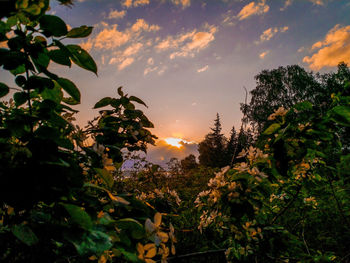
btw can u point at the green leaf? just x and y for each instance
(134, 227)
(136, 99)
(59, 57)
(93, 242)
(78, 32)
(25, 234)
(53, 26)
(120, 92)
(70, 101)
(4, 89)
(20, 98)
(129, 256)
(305, 105)
(82, 58)
(54, 94)
(79, 216)
(70, 88)
(272, 128)
(106, 176)
(103, 102)
(341, 115)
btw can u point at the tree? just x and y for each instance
(189, 163)
(284, 86)
(231, 147)
(212, 148)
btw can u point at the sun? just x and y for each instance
(176, 142)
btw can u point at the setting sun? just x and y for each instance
(176, 142)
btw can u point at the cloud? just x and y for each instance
(253, 9)
(141, 24)
(149, 70)
(270, 33)
(163, 152)
(110, 38)
(183, 3)
(334, 48)
(126, 62)
(194, 104)
(132, 50)
(317, 2)
(203, 69)
(263, 54)
(286, 4)
(150, 61)
(135, 3)
(189, 43)
(115, 14)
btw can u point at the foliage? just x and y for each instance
(58, 198)
(283, 200)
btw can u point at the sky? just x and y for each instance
(191, 59)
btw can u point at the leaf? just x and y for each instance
(82, 58)
(103, 102)
(341, 115)
(53, 26)
(4, 89)
(60, 57)
(132, 257)
(272, 128)
(79, 216)
(117, 199)
(25, 234)
(106, 176)
(20, 98)
(136, 229)
(54, 94)
(136, 99)
(120, 92)
(70, 88)
(82, 31)
(93, 242)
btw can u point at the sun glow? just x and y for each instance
(176, 142)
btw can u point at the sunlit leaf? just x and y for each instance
(272, 128)
(106, 176)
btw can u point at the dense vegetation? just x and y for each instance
(277, 191)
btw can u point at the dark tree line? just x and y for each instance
(281, 87)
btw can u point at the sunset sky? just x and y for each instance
(189, 59)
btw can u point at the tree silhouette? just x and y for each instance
(212, 148)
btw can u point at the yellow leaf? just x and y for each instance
(118, 199)
(100, 214)
(10, 210)
(147, 260)
(157, 219)
(172, 249)
(163, 237)
(151, 253)
(102, 259)
(93, 257)
(140, 248)
(149, 246)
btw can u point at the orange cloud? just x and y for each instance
(188, 44)
(183, 3)
(253, 9)
(135, 3)
(263, 54)
(334, 48)
(111, 38)
(141, 24)
(115, 14)
(202, 69)
(132, 50)
(271, 32)
(126, 62)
